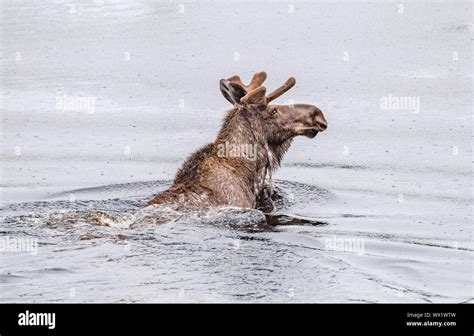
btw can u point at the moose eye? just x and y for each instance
(274, 111)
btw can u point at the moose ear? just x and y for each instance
(231, 91)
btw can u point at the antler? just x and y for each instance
(254, 93)
(290, 82)
(256, 81)
(257, 96)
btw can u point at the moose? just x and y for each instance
(250, 145)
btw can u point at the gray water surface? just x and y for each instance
(88, 253)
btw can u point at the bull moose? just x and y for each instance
(253, 138)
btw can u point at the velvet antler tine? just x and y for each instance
(257, 80)
(236, 79)
(290, 82)
(256, 96)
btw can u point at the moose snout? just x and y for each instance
(310, 116)
(319, 120)
(321, 124)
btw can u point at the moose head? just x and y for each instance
(282, 122)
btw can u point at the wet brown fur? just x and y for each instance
(207, 179)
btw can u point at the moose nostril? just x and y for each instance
(322, 125)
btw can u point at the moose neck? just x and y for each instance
(242, 126)
(277, 151)
(243, 131)
(246, 126)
